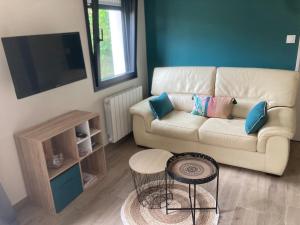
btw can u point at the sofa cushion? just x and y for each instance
(188, 80)
(178, 124)
(227, 133)
(243, 107)
(182, 102)
(277, 87)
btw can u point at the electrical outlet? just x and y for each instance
(291, 39)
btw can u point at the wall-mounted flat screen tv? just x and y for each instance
(39, 63)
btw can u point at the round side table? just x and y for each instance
(148, 173)
(193, 168)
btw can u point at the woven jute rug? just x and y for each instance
(132, 213)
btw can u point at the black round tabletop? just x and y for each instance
(192, 168)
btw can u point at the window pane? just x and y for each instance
(110, 2)
(112, 39)
(112, 58)
(90, 17)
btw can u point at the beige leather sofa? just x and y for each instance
(223, 139)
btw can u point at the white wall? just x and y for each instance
(37, 17)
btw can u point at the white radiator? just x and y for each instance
(118, 118)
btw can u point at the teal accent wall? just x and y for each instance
(244, 33)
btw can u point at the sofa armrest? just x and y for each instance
(143, 110)
(281, 122)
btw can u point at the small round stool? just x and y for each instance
(148, 173)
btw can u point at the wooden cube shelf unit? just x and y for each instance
(83, 158)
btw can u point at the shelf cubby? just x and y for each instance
(94, 132)
(94, 126)
(46, 185)
(64, 144)
(82, 128)
(92, 166)
(96, 142)
(85, 146)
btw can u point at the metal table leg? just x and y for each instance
(193, 207)
(166, 183)
(217, 192)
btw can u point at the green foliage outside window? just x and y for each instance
(106, 59)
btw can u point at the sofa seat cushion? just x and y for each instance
(227, 133)
(178, 124)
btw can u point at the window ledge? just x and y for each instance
(114, 81)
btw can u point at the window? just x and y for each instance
(111, 28)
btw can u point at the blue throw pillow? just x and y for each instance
(256, 118)
(161, 105)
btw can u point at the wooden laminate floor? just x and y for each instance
(246, 197)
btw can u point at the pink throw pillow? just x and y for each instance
(220, 107)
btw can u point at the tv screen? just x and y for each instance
(39, 63)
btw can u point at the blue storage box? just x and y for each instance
(66, 187)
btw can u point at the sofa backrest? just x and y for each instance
(278, 87)
(184, 80)
(247, 85)
(250, 85)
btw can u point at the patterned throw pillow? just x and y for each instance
(200, 105)
(214, 107)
